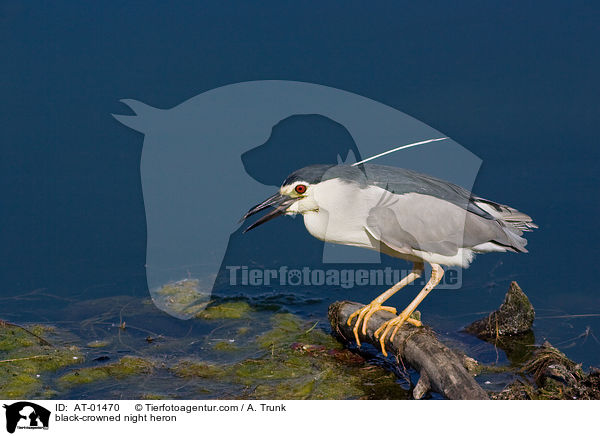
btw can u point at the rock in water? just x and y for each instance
(515, 316)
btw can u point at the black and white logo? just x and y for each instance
(26, 415)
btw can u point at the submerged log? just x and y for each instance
(509, 327)
(441, 370)
(514, 317)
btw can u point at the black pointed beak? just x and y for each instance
(279, 202)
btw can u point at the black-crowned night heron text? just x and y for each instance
(400, 213)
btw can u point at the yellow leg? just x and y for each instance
(365, 313)
(437, 272)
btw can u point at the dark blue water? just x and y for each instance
(516, 85)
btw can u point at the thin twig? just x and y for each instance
(39, 356)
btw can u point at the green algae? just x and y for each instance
(303, 361)
(191, 368)
(27, 359)
(288, 328)
(19, 385)
(127, 366)
(13, 339)
(296, 359)
(183, 292)
(152, 396)
(184, 297)
(242, 330)
(41, 329)
(262, 355)
(228, 310)
(98, 343)
(296, 373)
(253, 371)
(225, 346)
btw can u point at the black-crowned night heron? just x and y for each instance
(401, 213)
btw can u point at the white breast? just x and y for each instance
(342, 213)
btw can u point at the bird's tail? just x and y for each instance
(508, 215)
(512, 222)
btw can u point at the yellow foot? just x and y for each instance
(394, 323)
(364, 314)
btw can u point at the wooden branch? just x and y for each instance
(440, 368)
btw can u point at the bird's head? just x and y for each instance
(296, 195)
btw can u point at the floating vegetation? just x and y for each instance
(183, 298)
(303, 361)
(126, 367)
(98, 343)
(225, 346)
(27, 360)
(227, 310)
(257, 354)
(121, 346)
(299, 360)
(190, 368)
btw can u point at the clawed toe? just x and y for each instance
(395, 323)
(363, 315)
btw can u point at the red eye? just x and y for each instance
(300, 189)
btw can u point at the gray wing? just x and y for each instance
(403, 181)
(453, 218)
(427, 223)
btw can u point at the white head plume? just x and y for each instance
(414, 144)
